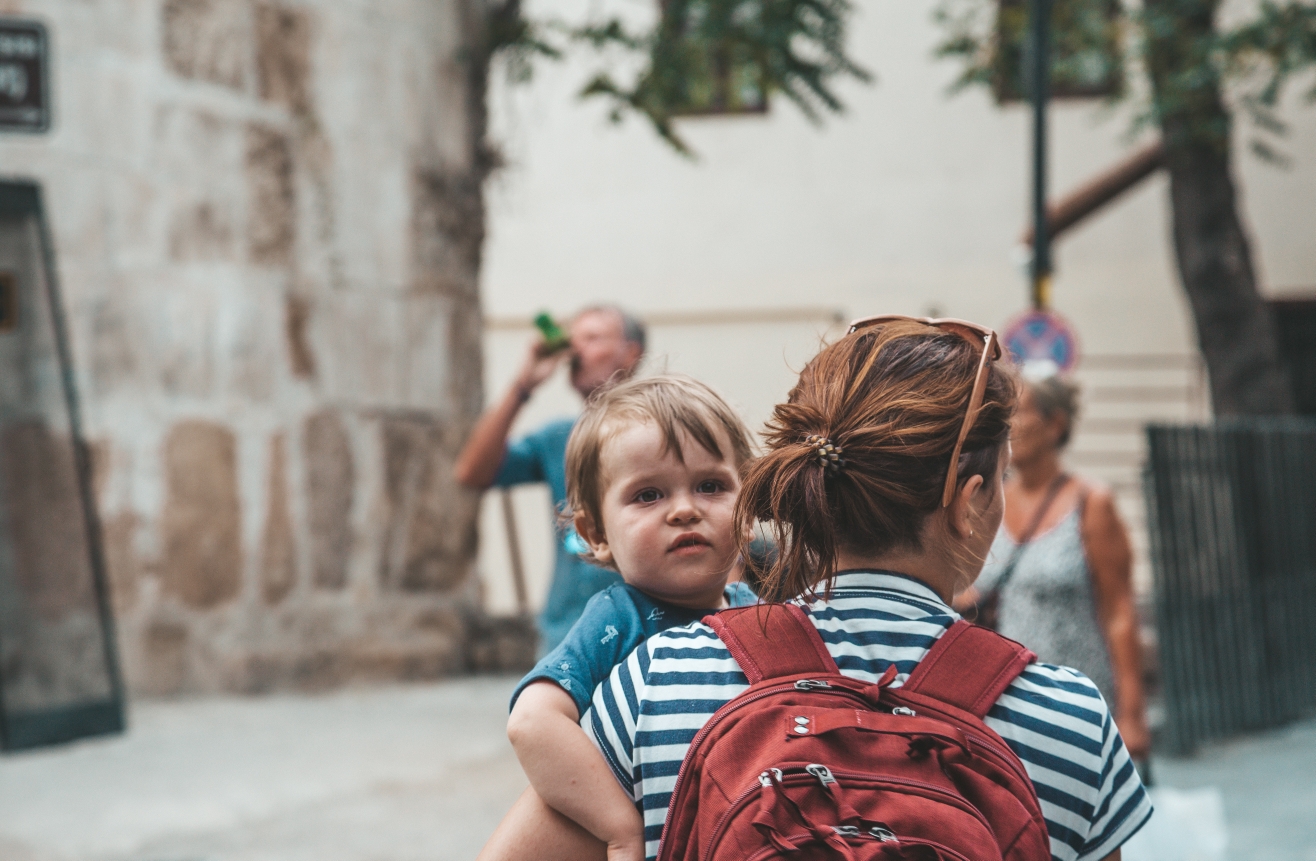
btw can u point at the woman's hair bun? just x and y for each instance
(882, 408)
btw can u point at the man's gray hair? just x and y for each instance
(632, 328)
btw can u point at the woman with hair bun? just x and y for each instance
(882, 483)
(1059, 577)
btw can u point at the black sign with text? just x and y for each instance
(24, 78)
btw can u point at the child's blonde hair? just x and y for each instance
(673, 402)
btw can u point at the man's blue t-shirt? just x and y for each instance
(541, 456)
(615, 621)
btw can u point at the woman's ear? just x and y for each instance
(965, 509)
(594, 537)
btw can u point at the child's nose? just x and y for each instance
(683, 509)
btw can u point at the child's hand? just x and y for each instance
(629, 848)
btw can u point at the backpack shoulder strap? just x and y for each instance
(969, 667)
(769, 641)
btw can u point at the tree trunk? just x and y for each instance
(1234, 326)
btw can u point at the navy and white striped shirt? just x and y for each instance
(645, 715)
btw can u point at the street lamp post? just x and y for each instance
(1039, 21)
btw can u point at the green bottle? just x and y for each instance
(554, 338)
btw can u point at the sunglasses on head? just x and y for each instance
(974, 334)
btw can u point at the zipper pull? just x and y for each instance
(810, 685)
(886, 835)
(822, 772)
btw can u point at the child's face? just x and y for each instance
(667, 525)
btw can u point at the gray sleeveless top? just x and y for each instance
(1048, 605)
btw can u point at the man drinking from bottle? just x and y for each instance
(604, 344)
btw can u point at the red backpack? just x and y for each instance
(811, 764)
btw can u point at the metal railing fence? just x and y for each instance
(1232, 521)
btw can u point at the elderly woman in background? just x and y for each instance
(1060, 569)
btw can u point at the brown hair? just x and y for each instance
(673, 402)
(891, 398)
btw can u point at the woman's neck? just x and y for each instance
(921, 566)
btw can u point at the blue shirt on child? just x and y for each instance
(614, 622)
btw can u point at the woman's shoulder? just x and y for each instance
(1093, 490)
(1099, 513)
(1058, 687)
(1052, 714)
(1056, 713)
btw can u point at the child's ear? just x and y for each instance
(594, 537)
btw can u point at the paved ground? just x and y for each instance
(1268, 785)
(391, 774)
(404, 774)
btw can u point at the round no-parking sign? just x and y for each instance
(1042, 336)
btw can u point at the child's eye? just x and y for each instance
(648, 495)
(709, 486)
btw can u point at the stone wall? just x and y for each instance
(268, 220)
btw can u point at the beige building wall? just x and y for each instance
(912, 202)
(267, 221)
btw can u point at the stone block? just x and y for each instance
(200, 151)
(430, 534)
(330, 479)
(209, 40)
(271, 197)
(296, 318)
(283, 56)
(278, 554)
(447, 231)
(201, 524)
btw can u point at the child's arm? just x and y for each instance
(532, 829)
(568, 771)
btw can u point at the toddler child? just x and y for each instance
(653, 469)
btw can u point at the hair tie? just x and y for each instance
(827, 452)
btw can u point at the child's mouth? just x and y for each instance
(687, 544)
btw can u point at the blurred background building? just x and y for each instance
(914, 201)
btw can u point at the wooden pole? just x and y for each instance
(514, 553)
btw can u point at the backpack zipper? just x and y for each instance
(800, 777)
(943, 852)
